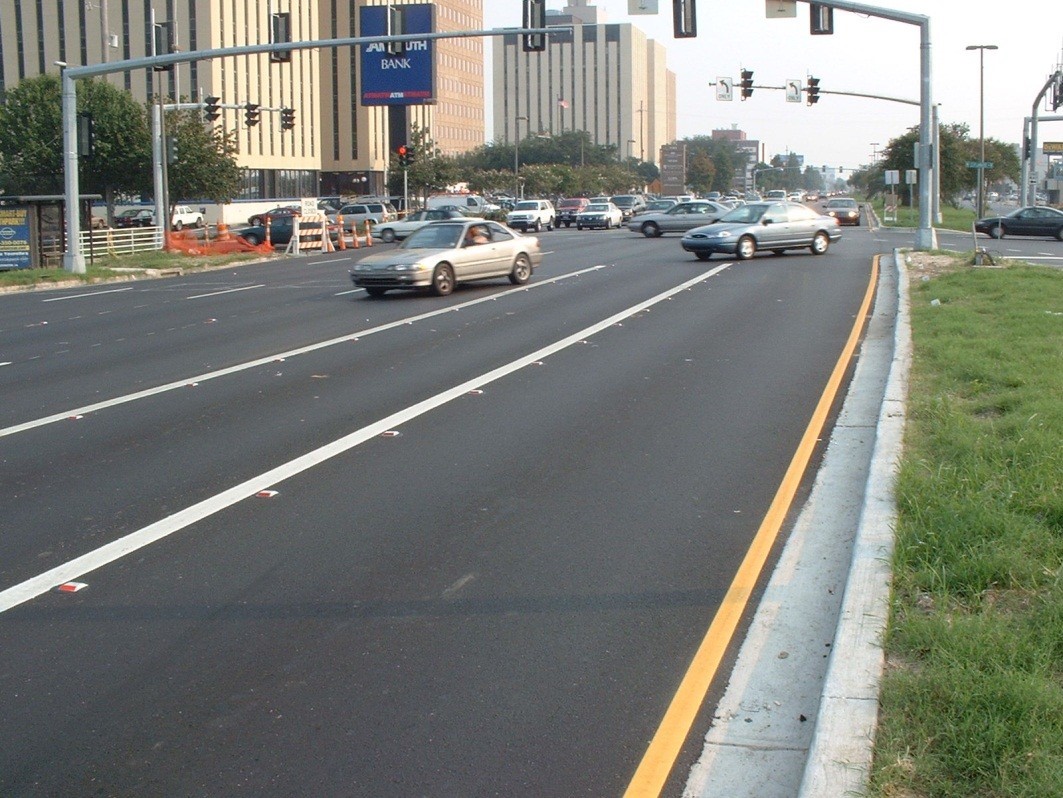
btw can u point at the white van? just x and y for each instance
(471, 204)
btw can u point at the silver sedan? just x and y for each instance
(774, 226)
(442, 254)
(677, 219)
(396, 231)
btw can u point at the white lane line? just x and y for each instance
(210, 375)
(331, 260)
(6, 363)
(82, 296)
(90, 561)
(352, 291)
(227, 291)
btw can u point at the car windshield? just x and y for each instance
(570, 203)
(745, 213)
(842, 203)
(596, 208)
(527, 206)
(434, 236)
(623, 201)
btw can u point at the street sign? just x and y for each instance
(893, 177)
(1052, 148)
(793, 91)
(911, 176)
(642, 6)
(774, 9)
(979, 164)
(725, 89)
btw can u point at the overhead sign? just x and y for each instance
(1052, 148)
(642, 6)
(780, 8)
(14, 238)
(793, 91)
(406, 78)
(725, 89)
(979, 164)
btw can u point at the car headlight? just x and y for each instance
(722, 234)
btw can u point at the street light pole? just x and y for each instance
(516, 155)
(981, 48)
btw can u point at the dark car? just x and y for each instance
(844, 209)
(280, 231)
(135, 217)
(568, 209)
(283, 212)
(774, 226)
(629, 204)
(1035, 220)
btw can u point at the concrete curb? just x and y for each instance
(839, 758)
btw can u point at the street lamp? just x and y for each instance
(874, 153)
(516, 155)
(630, 148)
(981, 48)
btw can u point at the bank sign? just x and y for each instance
(405, 79)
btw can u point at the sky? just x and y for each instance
(866, 55)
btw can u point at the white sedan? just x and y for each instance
(600, 214)
(396, 231)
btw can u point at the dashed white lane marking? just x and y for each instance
(181, 383)
(82, 296)
(268, 480)
(227, 291)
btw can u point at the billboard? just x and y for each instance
(407, 78)
(14, 239)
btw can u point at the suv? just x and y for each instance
(629, 204)
(184, 216)
(532, 215)
(356, 214)
(569, 209)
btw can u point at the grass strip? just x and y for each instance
(972, 702)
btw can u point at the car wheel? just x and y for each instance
(745, 248)
(198, 224)
(255, 221)
(650, 230)
(178, 226)
(252, 239)
(820, 243)
(702, 255)
(443, 280)
(375, 291)
(996, 232)
(387, 235)
(522, 270)
(538, 226)
(550, 225)
(568, 225)
(1059, 234)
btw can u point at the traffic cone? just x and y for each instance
(339, 222)
(354, 236)
(368, 234)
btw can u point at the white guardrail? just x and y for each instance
(123, 241)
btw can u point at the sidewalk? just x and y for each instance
(799, 713)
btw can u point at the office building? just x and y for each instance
(606, 79)
(338, 146)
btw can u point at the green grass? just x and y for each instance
(972, 704)
(111, 267)
(951, 218)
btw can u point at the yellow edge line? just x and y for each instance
(660, 756)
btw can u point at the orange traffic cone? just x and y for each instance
(339, 222)
(368, 234)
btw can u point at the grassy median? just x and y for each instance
(972, 702)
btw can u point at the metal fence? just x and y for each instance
(100, 243)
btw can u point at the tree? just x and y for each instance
(205, 166)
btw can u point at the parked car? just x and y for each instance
(281, 230)
(356, 214)
(274, 214)
(442, 254)
(569, 208)
(629, 204)
(774, 226)
(677, 219)
(396, 231)
(1033, 220)
(600, 214)
(135, 217)
(532, 215)
(185, 216)
(845, 209)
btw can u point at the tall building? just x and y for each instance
(606, 79)
(338, 145)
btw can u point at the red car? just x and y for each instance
(276, 213)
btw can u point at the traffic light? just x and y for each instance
(534, 17)
(212, 108)
(396, 27)
(684, 19)
(820, 19)
(280, 25)
(1057, 92)
(171, 149)
(251, 114)
(287, 118)
(404, 155)
(747, 83)
(86, 135)
(162, 44)
(813, 91)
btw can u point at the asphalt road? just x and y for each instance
(494, 529)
